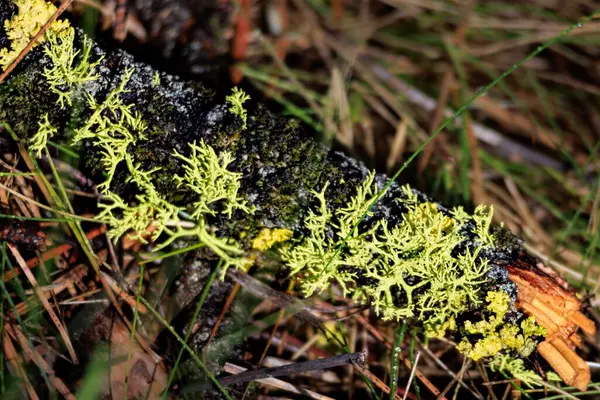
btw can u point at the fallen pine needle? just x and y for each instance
(61, 329)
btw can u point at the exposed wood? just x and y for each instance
(559, 311)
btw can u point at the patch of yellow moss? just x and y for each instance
(530, 328)
(498, 303)
(485, 347)
(498, 335)
(267, 238)
(25, 24)
(440, 332)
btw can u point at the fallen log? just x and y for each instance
(177, 161)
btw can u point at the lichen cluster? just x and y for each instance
(114, 127)
(410, 269)
(428, 267)
(66, 74)
(206, 174)
(45, 131)
(498, 335)
(504, 344)
(236, 100)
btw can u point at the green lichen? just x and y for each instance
(45, 131)
(482, 224)
(113, 127)
(153, 215)
(411, 268)
(428, 267)
(237, 99)
(206, 174)
(150, 217)
(25, 24)
(408, 270)
(65, 75)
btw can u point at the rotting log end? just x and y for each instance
(558, 311)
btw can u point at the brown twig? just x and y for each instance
(121, 293)
(66, 281)
(51, 253)
(234, 369)
(412, 375)
(558, 311)
(59, 325)
(16, 333)
(274, 329)
(438, 114)
(15, 361)
(378, 382)
(224, 311)
(296, 368)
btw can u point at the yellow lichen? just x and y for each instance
(25, 24)
(511, 337)
(267, 238)
(440, 332)
(237, 99)
(485, 347)
(530, 328)
(498, 303)
(499, 335)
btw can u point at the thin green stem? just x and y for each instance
(173, 253)
(13, 307)
(399, 337)
(8, 129)
(72, 217)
